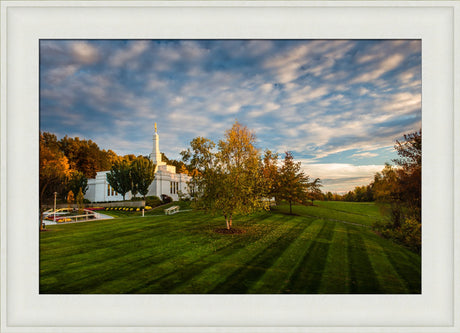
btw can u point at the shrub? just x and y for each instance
(408, 234)
(152, 201)
(166, 198)
(411, 233)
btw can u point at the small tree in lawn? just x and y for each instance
(142, 175)
(314, 190)
(270, 173)
(201, 158)
(242, 187)
(80, 199)
(70, 198)
(293, 183)
(228, 181)
(119, 177)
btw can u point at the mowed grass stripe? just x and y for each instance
(97, 251)
(115, 233)
(407, 264)
(362, 275)
(241, 280)
(115, 227)
(387, 276)
(336, 274)
(307, 277)
(278, 275)
(357, 208)
(187, 266)
(218, 273)
(327, 214)
(103, 264)
(278, 253)
(160, 277)
(180, 265)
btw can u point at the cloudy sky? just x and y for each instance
(338, 105)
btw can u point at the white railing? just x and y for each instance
(61, 216)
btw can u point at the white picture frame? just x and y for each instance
(24, 23)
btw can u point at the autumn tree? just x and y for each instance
(228, 181)
(142, 175)
(86, 156)
(242, 187)
(410, 172)
(80, 200)
(54, 167)
(119, 177)
(70, 199)
(399, 188)
(387, 191)
(293, 182)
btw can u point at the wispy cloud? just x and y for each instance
(84, 53)
(328, 101)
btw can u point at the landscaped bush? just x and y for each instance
(152, 201)
(166, 198)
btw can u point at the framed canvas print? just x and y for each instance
(217, 166)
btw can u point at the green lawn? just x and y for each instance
(324, 249)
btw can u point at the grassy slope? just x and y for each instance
(182, 254)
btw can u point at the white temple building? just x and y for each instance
(166, 180)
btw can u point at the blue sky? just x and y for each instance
(338, 105)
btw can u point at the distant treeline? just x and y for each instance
(359, 194)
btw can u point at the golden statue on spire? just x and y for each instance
(155, 127)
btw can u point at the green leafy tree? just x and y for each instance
(242, 187)
(119, 177)
(142, 175)
(227, 181)
(202, 161)
(314, 190)
(270, 173)
(293, 182)
(77, 181)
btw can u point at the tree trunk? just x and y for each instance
(226, 222)
(231, 218)
(41, 218)
(290, 207)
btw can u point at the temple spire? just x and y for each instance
(155, 156)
